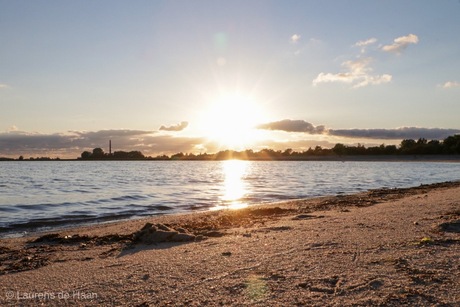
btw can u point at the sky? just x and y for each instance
(164, 77)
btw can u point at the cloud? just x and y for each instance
(73, 143)
(295, 38)
(178, 127)
(396, 134)
(401, 43)
(364, 44)
(92, 139)
(357, 73)
(2, 85)
(451, 84)
(290, 125)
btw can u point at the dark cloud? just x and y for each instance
(178, 127)
(101, 138)
(396, 134)
(290, 125)
(72, 144)
(19, 140)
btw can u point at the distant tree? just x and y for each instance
(391, 149)
(408, 146)
(452, 144)
(177, 156)
(287, 152)
(98, 153)
(85, 155)
(21, 158)
(407, 143)
(422, 141)
(135, 155)
(339, 149)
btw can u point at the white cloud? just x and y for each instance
(401, 43)
(451, 84)
(358, 73)
(178, 127)
(2, 85)
(295, 38)
(364, 44)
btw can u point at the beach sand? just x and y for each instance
(387, 247)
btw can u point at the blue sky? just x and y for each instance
(169, 76)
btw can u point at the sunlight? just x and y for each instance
(234, 188)
(231, 120)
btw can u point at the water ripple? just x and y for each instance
(40, 194)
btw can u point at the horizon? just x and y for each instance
(422, 147)
(167, 77)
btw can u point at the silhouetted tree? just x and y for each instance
(98, 153)
(422, 141)
(85, 155)
(340, 149)
(452, 144)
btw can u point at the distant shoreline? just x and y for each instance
(333, 158)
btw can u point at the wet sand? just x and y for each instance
(387, 247)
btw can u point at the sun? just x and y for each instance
(231, 121)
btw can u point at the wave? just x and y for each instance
(98, 192)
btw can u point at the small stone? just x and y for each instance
(164, 227)
(226, 254)
(181, 230)
(182, 237)
(160, 236)
(147, 226)
(214, 234)
(145, 277)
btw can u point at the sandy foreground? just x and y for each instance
(387, 247)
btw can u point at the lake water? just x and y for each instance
(37, 195)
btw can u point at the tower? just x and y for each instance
(110, 147)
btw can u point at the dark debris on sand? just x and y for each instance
(372, 197)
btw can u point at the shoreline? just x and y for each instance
(336, 158)
(380, 247)
(27, 231)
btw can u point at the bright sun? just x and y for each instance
(231, 120)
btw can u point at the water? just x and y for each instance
(37, 195)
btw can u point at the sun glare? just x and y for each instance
(234, 187)
(231, 121)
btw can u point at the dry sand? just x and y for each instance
(386, 247)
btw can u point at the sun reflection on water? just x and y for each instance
(234, 188)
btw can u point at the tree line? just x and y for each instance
(448, 146)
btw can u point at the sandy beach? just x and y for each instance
(385, 247)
